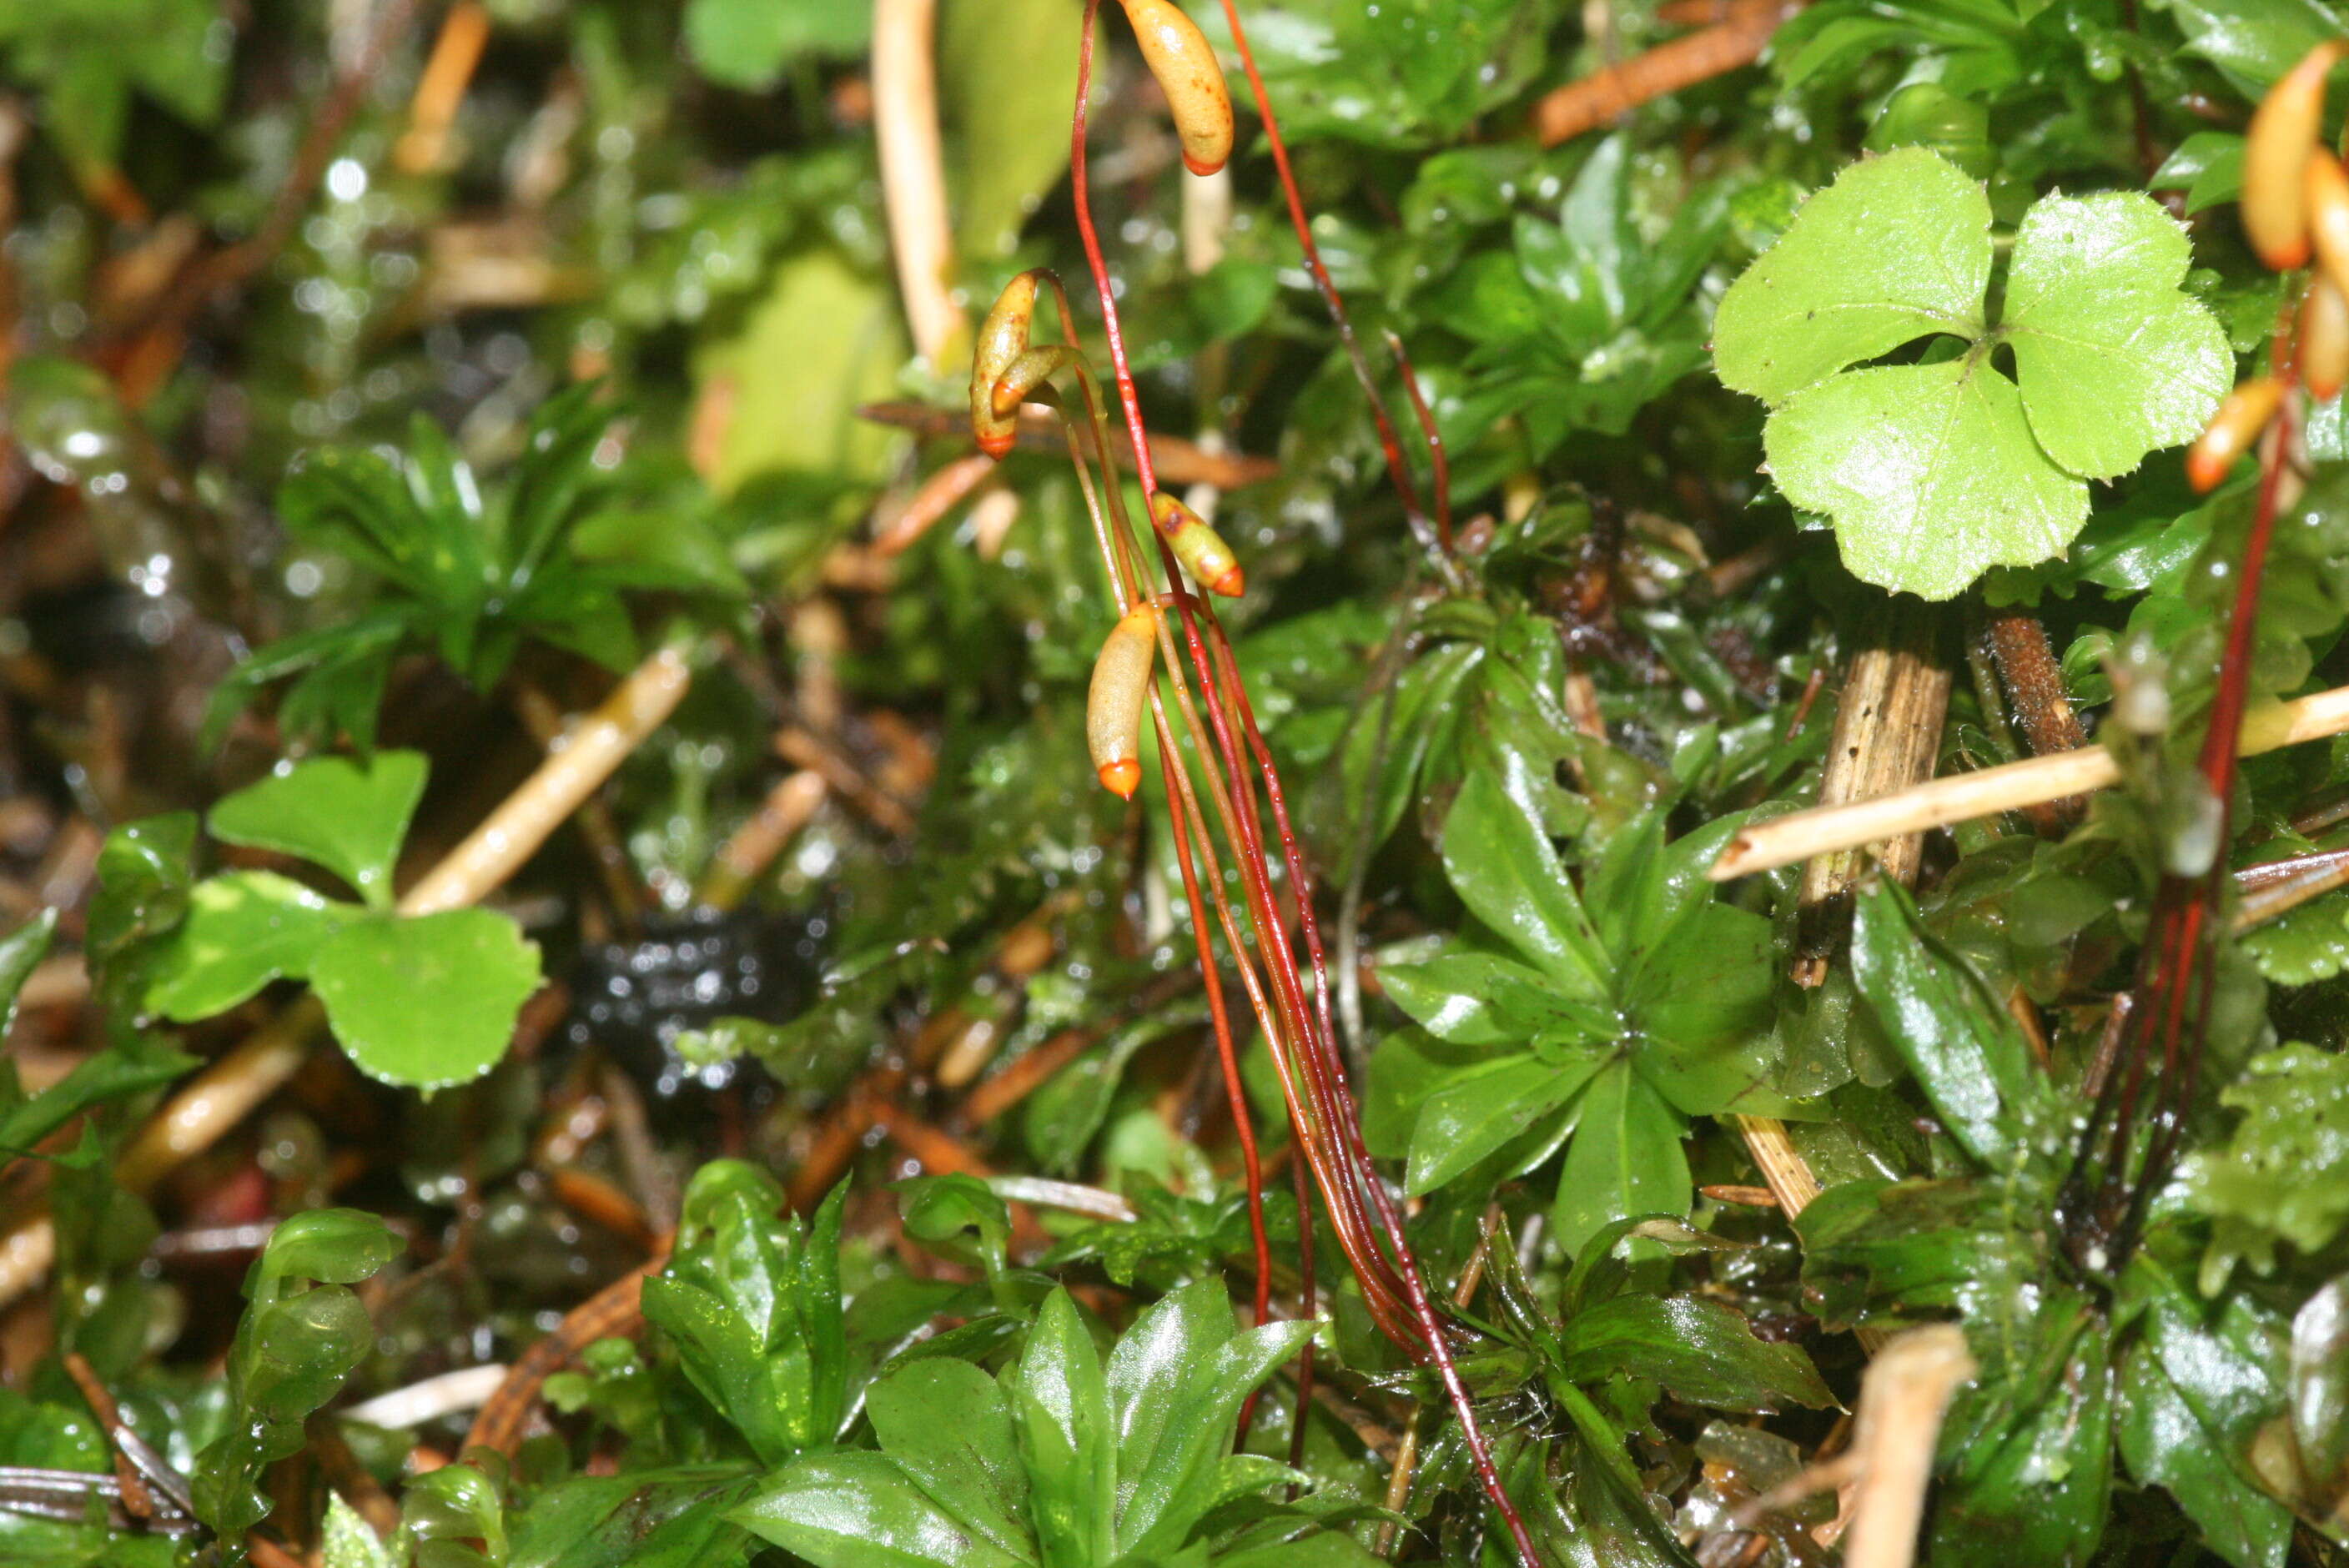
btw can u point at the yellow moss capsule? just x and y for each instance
(1113, 707)
(2325, 186)
(1200, 548)
(1034, 368)
(1002, 339)
(2233, 430)
(2325, 340)
(1178, 56)
(2282, 134)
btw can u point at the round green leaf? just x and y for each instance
(1930, 471)
(2114, 362)
(428, 1001)
(241, 931)
(1898, 248)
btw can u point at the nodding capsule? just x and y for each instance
(1178, 55)
(2325, 186)
(1113, 707)
(1002, 339)
(2325, 340)
(1200, 548)
(2282, 134)
(1034, 368)
(2232, 430)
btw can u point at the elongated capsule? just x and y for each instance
(1113, 707)
(2233, 430)
(2325, 340)
(2326, 187)
(1030, 370)
(1002, 339)
(1200, 548)
(1178, 55)
(2282, 134)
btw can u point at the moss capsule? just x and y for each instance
(1113, 707)
(1200, 548)
(1178, 56)
(2282, 134)
(1002, 339)
(2325, 340)
(2326, 188)
(2233, 430)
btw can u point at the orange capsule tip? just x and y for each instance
(1201, 168)
(998, 444)
(1122, 778)
(1231, 584)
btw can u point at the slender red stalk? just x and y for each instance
(2175, 967)
(1441, 479)
(1437, 544)
(1342, 1183)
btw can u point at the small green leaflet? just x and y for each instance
(1935, 471)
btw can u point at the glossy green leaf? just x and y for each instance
(1505, 871)
(1474, 998)
(1061, 1406)
(948, 1427)
(1625, 1159)
(347, 815)
(1701, 1351)
(336, 1247)
(426, 1001)
(21, 952)
(2318, 1388)
(242, 930)
(642, 1517)
(1964, 1049)
(853, 1510)
(1479, 1111)
(1005, 151)
(347, 1540)
(748, 45)
(2193, 1389)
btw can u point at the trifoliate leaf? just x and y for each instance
(1929, 472)
(1933, 473)
(1895, 249)
(2115, 361)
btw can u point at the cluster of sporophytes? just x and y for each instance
(1510, 951)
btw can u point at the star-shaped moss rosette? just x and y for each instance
(1936, 470)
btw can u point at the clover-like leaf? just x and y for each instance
(1930, 471)
(427, 1001)
(1934, 472)
(2114, 362)
(1898, 248)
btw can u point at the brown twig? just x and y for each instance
(912, 171)
(1888, 735)
(2035, 686)
(1591, 101)
(1961, 797)
(612, 1312)
(456, 53)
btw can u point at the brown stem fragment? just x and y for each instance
(1888, 735)
(2035, 686)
